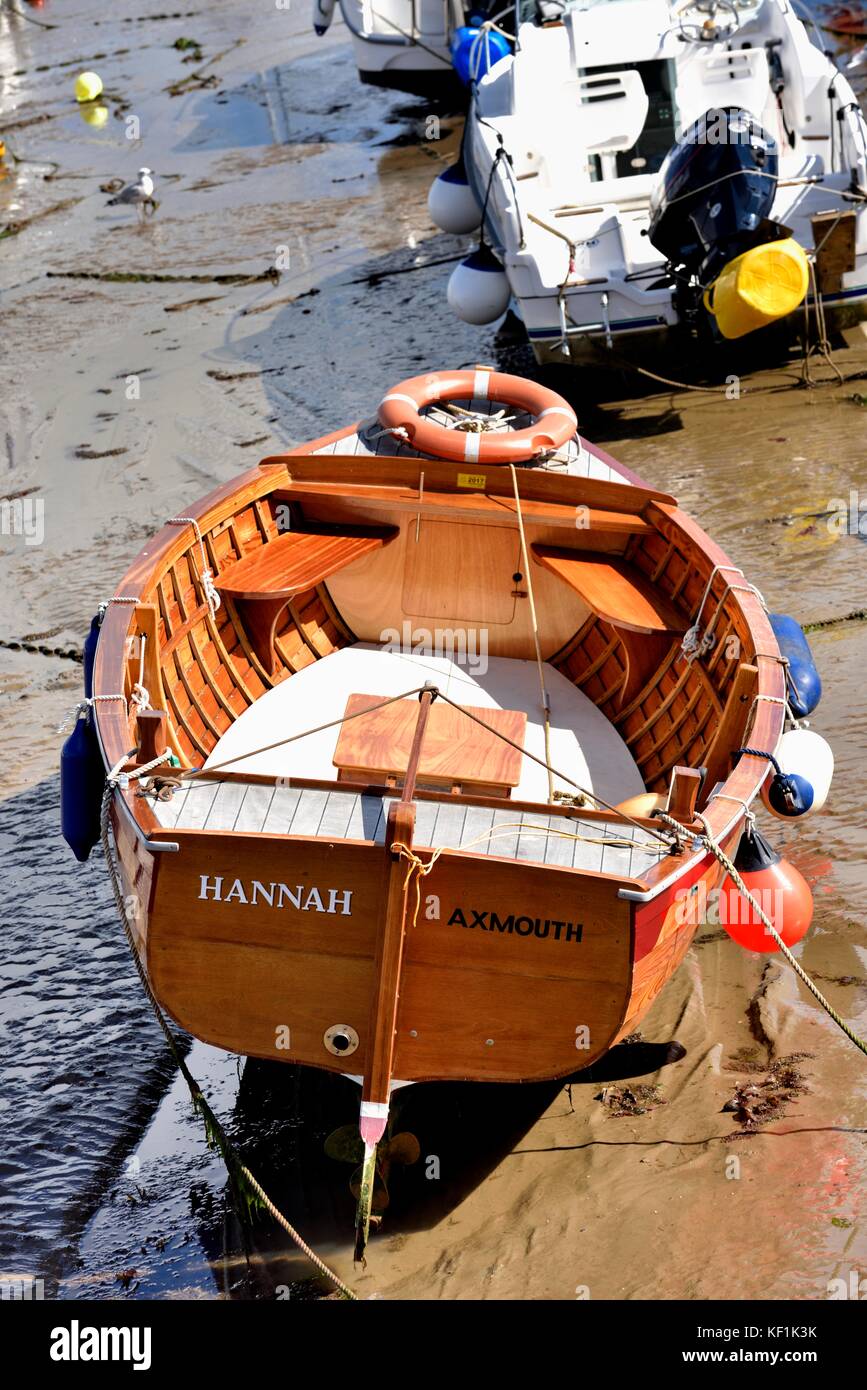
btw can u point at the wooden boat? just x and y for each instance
(419, 889)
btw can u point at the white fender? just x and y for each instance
(323, 13)
(452, 204)
(478, 290)
(810, 755)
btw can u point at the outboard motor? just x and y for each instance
(715, 190)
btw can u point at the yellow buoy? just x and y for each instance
(758, 287)
(88, 86)
(94, 115)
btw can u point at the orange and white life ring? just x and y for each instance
(553, 426)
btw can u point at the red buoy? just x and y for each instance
(780, 889)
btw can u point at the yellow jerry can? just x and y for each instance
(763, 284)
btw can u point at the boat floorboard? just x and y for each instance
(254, 808)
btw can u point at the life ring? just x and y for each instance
(554, 424)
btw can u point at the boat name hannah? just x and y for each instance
(332, 900)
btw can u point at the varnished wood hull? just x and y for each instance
(522, 975)
(509, 971)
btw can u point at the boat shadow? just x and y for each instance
(284, 1114)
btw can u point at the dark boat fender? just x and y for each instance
(805, 685)
(82, 780)
(90, 643)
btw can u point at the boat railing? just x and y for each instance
(153, 846)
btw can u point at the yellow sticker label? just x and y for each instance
(476, 480)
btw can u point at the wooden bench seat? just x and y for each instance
(613, 589)
(262, 583)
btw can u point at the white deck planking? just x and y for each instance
(573, 458)
(532, 837)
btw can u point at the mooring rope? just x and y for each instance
(37, 649)
(822, 346)
(546, 702)
(216, 1135)
(710, 843)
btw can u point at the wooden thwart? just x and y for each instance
(263, 582)
(613, 589)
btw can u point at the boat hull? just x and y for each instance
(512, 972)
(406, 50)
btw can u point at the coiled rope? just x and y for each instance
(719, 854)
(238, 1171)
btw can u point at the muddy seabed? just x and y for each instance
(620, 1186)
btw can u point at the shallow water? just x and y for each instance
(124, 400)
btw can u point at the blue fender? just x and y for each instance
(805, 685)
(90, 654)
(82, 779)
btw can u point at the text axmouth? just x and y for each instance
(518, 926)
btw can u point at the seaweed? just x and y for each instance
(631, 1100)
(758, 1101)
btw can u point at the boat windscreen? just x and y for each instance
(658, 77)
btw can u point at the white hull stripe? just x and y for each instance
(374, 1110)
(481, 382)
(408, 400)
(472, 444)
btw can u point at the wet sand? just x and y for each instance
(126, 397)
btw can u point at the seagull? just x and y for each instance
(137, 194)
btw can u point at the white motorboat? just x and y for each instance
(403, 44)
(639, 164)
